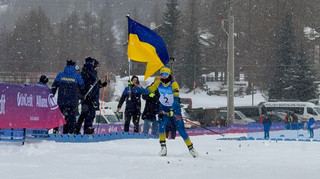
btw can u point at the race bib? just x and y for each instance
(166, 95)
(166, 99)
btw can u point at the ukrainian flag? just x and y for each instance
(145, 45)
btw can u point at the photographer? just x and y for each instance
(90, 104)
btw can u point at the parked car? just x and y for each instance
(253, 112)
(276, 117)
(239, 117)
(106, 116)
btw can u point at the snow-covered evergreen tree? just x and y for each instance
(292, 77)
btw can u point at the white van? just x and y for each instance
(106, 116)
(305, 110)
(239, 117)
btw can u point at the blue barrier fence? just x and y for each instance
(254, 131)
(284, 131)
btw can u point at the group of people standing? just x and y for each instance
(267, 124)
(72, 87)
(162, 102)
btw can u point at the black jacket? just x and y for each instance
(89, 76)
(152, 106)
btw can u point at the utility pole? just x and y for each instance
(230, 66)
(252, 89)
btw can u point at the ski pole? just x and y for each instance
(185, 119)
(90, 89)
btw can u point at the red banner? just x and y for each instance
(32, 107)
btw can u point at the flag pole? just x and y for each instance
(129, 61)
(128, 16)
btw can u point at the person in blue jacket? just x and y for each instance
(70, 84)
(266, 126)
(311, 125)
(132, 96)
(89, 105)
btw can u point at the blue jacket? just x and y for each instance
(266, 123)
(70, 84)
(311, 123)
(133, 103)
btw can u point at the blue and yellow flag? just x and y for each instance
(145, 45)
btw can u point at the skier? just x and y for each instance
(70, 84)
(91, 102)
(169, 108)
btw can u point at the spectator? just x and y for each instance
(288, 119)
(151, 109)
(266, 126)
(132, 96)
(90, 104)
(311, 125)
(43, 80)
(69, 84)
(169, 106)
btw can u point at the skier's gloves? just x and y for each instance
(171, 113)
(151, 95)
(130, 83)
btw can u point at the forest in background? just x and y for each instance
(40, 35)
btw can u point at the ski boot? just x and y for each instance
(163, 151)
(192, 151)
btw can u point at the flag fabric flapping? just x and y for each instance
(144, 45)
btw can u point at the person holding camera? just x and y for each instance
(90, 103)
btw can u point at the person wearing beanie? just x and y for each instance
(43, 80)
(89, 105)
(169, 108)
(71, 63)
(70, 85)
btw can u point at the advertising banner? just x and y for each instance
(28, 106)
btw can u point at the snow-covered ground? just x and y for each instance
(137, 158)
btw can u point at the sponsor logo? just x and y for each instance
(24, 99)
(41, 102)
(52, 102)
